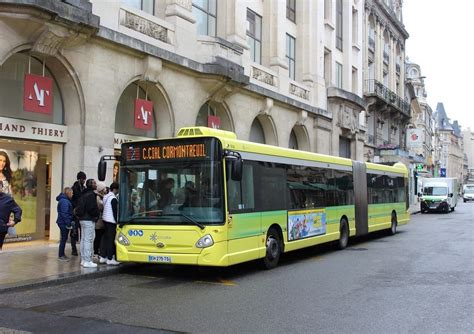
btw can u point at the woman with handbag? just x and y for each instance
(7, 207)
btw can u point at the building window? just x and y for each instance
(254, 36)
(385, 79)
(371, 73)
(327, 67)
(291, 10)
(355, 86)
(148, 6)
(290, 55)
(12, 76)
(344, 147)
(355, 27)
(205, 12)
(339, 24)
(328, 10)
(257, 135)
(293, 143)
(338, 75)
(371, 35)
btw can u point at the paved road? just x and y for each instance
(420, 280)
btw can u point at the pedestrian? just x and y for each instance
(110, 222)
(7, 207)
(77, 188)
(102, 190)
(88, 213)
(64, 220)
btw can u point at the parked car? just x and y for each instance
(468, 194)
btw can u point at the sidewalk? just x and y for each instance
(37, 264)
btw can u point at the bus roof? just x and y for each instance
(229, 141)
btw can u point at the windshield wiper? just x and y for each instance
(189, 218)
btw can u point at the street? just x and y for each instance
(420, 280)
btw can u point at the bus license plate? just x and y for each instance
(161, 259)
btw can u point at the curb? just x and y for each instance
(62, 279)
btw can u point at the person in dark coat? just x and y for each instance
(64, 220)
(77, 188)
(7, 207)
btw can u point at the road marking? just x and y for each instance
(220, 281)
(5, 330)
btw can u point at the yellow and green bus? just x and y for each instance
(206, 198)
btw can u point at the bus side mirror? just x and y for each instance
(101, 169)
(237, 167)
(451, 195)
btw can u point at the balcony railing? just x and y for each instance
(376, 88)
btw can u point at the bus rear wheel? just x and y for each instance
(393, 226)
(273, 249)
(343, 234)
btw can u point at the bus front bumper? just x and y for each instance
(216, 255)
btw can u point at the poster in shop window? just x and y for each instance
(19, 178)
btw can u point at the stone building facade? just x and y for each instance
(388, 111)
(448, 153)
(420, 130)
(468, 139)
(78, 78)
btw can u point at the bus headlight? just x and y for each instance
(122, 239)
(205, 241)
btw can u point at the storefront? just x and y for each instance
(32, 138)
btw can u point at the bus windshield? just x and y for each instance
(435, 191)
(177, 193)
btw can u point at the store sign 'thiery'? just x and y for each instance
(16, 128)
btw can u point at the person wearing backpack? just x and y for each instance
(77, 189)
(88, 212)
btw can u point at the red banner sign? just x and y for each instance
(213, 122)
(38, 94)
(143, 114)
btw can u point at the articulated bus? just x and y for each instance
(207, 198)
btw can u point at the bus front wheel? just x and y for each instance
(343, 234)
(273, 249)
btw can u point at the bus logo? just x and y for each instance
(135, 233)
(133, 153)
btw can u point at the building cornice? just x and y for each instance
(69, 12)
(383, 15)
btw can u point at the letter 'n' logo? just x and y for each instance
(38, 94)
(143, 114)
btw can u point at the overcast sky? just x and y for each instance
(441, 42)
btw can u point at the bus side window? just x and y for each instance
(241, 195)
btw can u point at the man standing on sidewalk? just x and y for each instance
(88, 213)
(77, 190)
(7, 206)
(110, 221)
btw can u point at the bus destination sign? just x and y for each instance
(167, 151)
